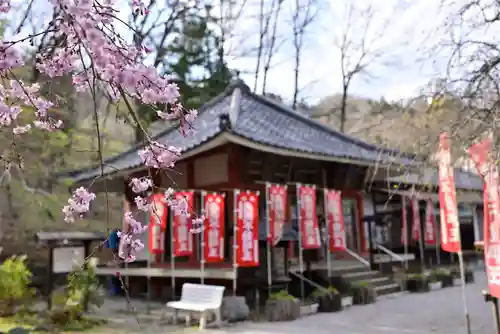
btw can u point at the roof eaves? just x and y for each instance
(134, 167)
(320, 156)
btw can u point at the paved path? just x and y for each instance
(438, 312)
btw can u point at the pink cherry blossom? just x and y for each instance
(180, 207)
(4, 6)
(94, 55)
(21, 129)
(157, 155)
(197, 225)
(78, 204)
(142, 204)
(129, 243)
(135, 226)
(191, 115)
(140, 185)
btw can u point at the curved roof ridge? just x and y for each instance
(284, 108)
(137, 146)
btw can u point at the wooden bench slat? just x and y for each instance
(200, 298)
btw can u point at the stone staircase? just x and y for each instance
(383, 284)
(351, 271)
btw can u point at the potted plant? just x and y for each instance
(282, 306)
(344, 288)
(417, 283)
(308, 307)
(346, 295)
(363, 293)
(444, 276)
(434, 282)
(329, 300)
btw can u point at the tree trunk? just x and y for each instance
(343, 110)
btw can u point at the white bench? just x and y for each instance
(199, 298)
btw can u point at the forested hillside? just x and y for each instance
(411, 126)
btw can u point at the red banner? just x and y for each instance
(247, 227)
(450, 225)
(157, 224)
(182, 237)
(276, 198)
(430, 224)
(335, 220)
(415, 212)
(481, 155)
(404, 222)
(308, 220)
(213, 232)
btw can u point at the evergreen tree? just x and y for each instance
(197, 60)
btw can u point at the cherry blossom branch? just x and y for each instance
(6, 176)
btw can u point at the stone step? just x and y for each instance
(351, 269)
(387, 289)
(361, 275)
(379, 281)
(374, 281)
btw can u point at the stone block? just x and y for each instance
(234, 308)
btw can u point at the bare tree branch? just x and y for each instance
(264, 22)
(304, 14)
(357, 48)
(272, 47)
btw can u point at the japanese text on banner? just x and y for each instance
(335, 220)
(450, 225)
(182, 237)
(480, 153)
(247, 242)
(430, 224)
(308, 221)
(157, 223)
(415, 231)
(276, 201)
(213, 232)
(404, 222)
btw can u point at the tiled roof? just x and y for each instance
(268, 122)
(206, 126)
(463, 180)
(260, 120)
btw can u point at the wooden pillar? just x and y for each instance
(361, 213)
(370, 235)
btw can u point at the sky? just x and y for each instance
(401, 30)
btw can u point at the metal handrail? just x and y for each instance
(305, 279)
(391, 253)
(357, 257)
